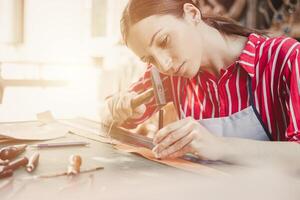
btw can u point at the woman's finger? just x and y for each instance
(116, 110)
(125, 110)
(122, 108)
(110, 105)
(165, 131)
(139, 111)
(186, 149)
(177, 146)
(172, 138)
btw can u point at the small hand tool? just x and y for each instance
(64, 173)
(6, 173)
(159, 94)
(74, 165)
(10, 152)
(59, 144)
(148, 94)
(33, 162)
(7, 170)
(20, 162)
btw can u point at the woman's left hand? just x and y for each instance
(187, 136)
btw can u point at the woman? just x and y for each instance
(235, 89)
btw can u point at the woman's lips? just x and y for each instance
(179, 68)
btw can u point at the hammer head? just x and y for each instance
(158, 88)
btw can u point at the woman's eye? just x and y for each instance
(164, 42)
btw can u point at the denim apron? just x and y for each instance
(246, 123)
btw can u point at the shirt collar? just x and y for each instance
(248, 55)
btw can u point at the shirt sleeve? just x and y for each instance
(143, 84)
(292, 76)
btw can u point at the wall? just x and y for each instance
(58, 45)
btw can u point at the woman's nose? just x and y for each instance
(164, 62)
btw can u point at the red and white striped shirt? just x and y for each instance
(273, 65)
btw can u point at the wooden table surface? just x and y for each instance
(129, 176)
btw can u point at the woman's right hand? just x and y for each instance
(118, 109)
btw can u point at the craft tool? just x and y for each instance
(10, 152)
(20, 162)
(33, 162)
(159, 94)
(65, 173)
(6, 173)
(74, 165)
(150, 93)
(59, 144)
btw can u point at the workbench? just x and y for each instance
(129, 176)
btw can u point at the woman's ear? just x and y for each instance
(191, 14)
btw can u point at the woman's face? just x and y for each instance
(173, 45)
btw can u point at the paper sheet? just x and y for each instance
(87, 129)
(177, 163)
(45, 128)
(45, 117)
(33, 130)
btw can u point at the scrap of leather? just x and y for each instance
(177, 162)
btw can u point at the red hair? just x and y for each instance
(136, 10)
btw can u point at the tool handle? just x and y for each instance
(10, 152)
(142, 98)
(17, 163)
(74, 165)
(33, 162)
(160, 119)
(6, 173)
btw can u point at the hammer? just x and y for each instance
(159, 93)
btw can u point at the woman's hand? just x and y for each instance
(118, 109)
(187, 136)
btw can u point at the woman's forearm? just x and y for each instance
(252, 152)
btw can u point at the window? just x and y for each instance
(99, 18)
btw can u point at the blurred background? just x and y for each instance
(66, 56)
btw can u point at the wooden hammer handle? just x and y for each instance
(142, 98)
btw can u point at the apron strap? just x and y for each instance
(255, 110)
